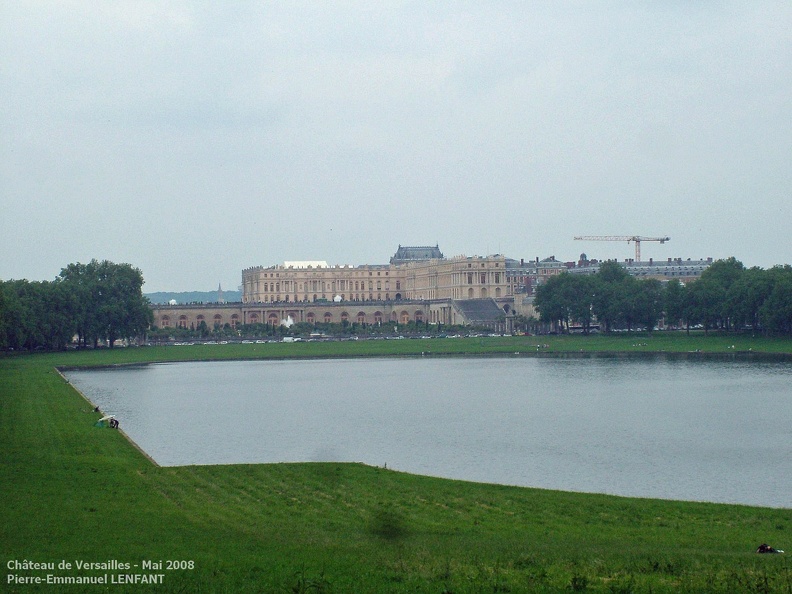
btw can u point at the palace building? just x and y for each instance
(419, 284)
(420, 273)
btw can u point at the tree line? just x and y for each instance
(304, 329)
(98, 301)
(103, 301)
(727, 296)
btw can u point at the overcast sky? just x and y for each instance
(195, 139)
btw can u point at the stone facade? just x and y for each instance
(674, 268)
(289, 283)
(218, 314)
(419, 285)
(191, 315)
(460, 277)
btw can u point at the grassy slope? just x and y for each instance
(72, 491)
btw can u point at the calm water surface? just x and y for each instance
(672, 429)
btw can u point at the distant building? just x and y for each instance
(672, 268)
(419, 284)
(421, 273)
(406, 254)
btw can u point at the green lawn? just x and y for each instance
(71, 491)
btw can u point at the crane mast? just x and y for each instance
(637, 239)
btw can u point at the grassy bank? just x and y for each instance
(626, 343)
(75, 492)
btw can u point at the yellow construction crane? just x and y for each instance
(628, 238)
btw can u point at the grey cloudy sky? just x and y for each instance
(194, 139)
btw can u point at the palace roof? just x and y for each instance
(416, 253)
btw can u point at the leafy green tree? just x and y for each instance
(776, 311)
(526, 323)
(548, 301)
(123, 310)
(674, 302)
(34, 315)
(81, 281)
(32, 296)
(5, 316)
(649, 300)
(566, 298)
(302, 329)
(746, 295)
(62, 325)
(578, 292)
(15, 317)
(704, 303)
(631, 302)
(719, 279)
(110, 303)
(612, 273)
(614, 295)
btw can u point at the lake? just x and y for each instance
(660, 427)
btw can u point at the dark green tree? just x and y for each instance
(776, 311)
(719, 279)
(5, 316)
(123, 311)
(703, 303)
(630, 302)
(566, 298)
(60, 315)
(15, 318)
(81, 280)
(649, 301)
(109, 301)
(674, 302)
(614, 295)
(746, 295)
(548, 302)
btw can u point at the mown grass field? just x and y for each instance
(71, 491)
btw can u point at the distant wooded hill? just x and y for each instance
(163, 297)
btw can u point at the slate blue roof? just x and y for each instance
(416, 253)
